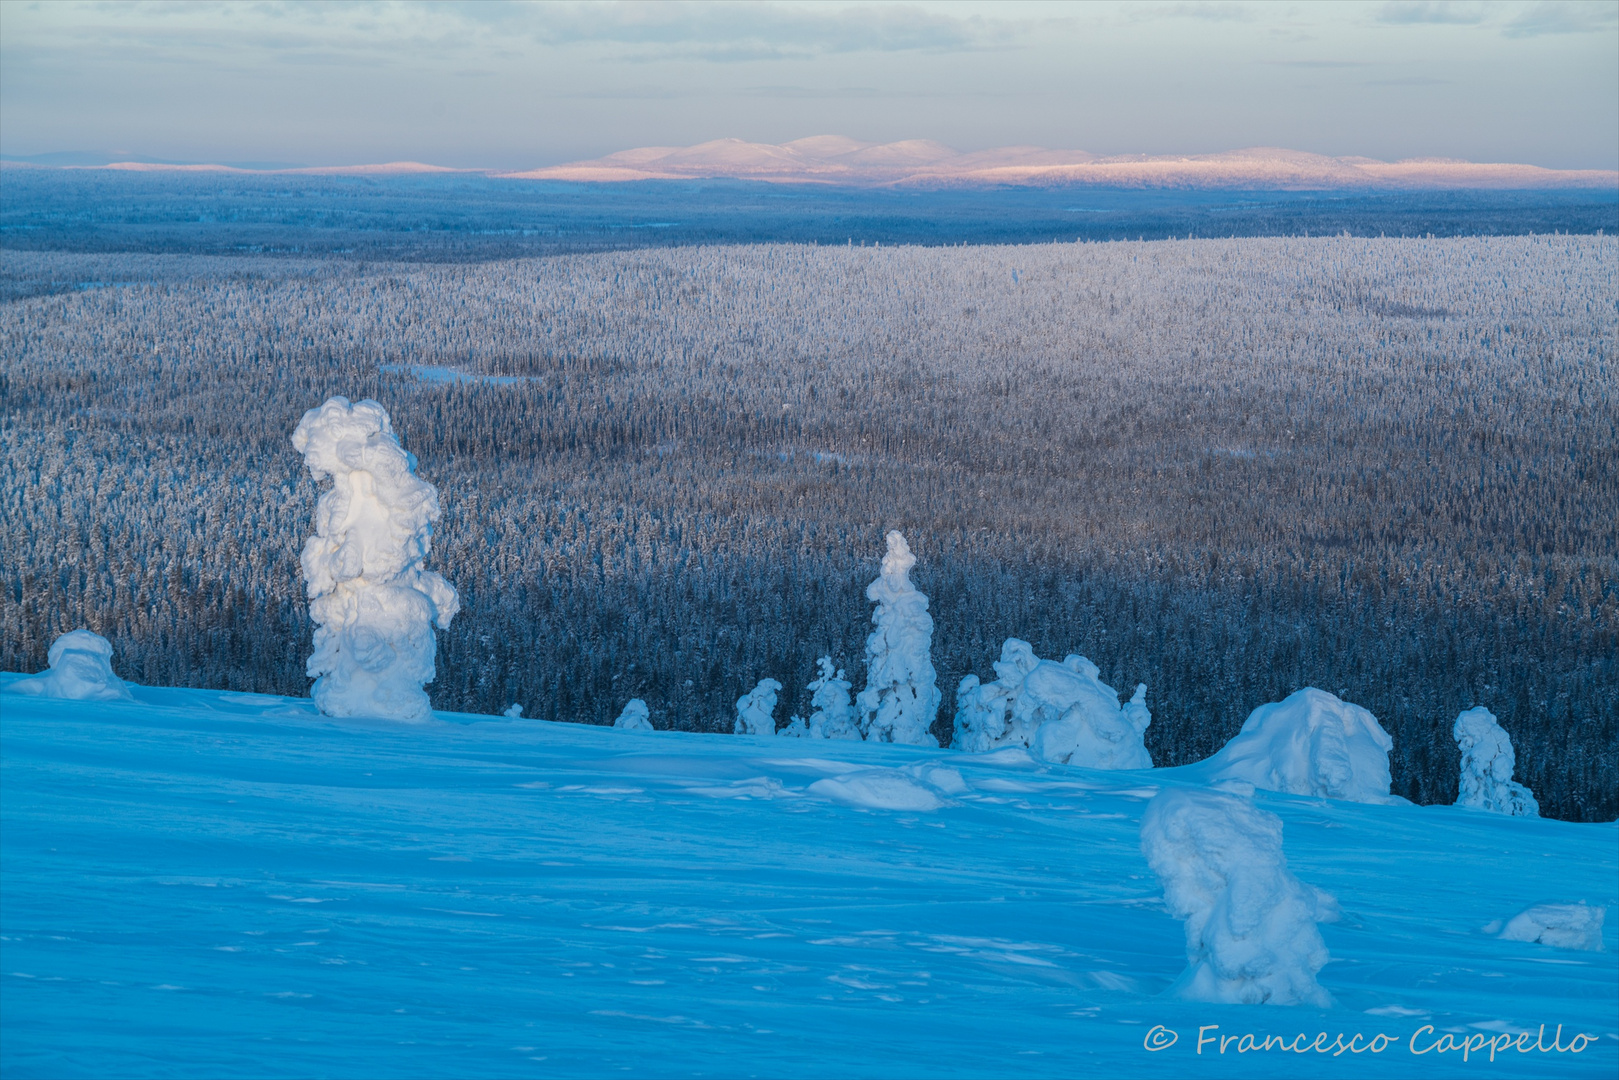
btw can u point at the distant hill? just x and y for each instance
(838, 160)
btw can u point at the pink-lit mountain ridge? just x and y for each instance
(833, 159)
(836, 159)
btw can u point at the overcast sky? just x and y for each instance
(510, 85)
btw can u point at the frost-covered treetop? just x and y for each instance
(896, 575)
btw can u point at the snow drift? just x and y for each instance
(755, 709)
(901, 697)
(1487, 763)
(80, 669)
(1063, 712)
(373, 604)
(1562, 926)
(1311, 743)
(635, 717)
(1251, 934)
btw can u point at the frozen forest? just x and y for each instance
(1225, 469)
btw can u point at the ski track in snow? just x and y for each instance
(217, 884)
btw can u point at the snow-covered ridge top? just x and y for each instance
(486, 888)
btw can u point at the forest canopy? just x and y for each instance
(1228, 469)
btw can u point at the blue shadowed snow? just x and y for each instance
(216, 884)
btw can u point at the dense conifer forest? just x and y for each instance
(1225, 468)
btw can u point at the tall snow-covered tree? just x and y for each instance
(901, 697)
(373, 603)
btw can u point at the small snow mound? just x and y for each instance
(1309, 744)
(80, 669)
(1562, 926)
(901, 697)
(1062, 712)
(514, 712)
(373, 603)
(914, 787)
(1251, 934)
(1487, 763)
(635, 717)
(755, 708)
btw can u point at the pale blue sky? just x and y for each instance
(517, 84)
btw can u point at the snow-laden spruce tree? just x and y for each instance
(1251, 934)
(1487, 763)
(901, 697)
(834, 716)
(755, 709)
(635, 717)
(81, 669)
(373, 604)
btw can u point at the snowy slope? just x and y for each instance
(211, 884)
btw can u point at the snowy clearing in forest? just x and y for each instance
(209, 884)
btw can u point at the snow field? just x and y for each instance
(207, 884)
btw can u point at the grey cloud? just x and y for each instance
(1563, 17)
(1208, 12)
(734, 32)
(1430, 12)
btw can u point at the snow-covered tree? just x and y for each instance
(1310, 743)
(755, 708)
(1487, 764)
(635, 717)
(1251, 934)
(834, 715)
(901, 697)
(1063, 712)
(373, 604)
(81, 669)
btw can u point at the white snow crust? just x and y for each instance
(1562, 926)
(901, 697)
(1251, 934)
(755, 709)
(1487, 762)
(635, 717)
(1311, 743)
(373, 603)
(1063, 712)
(80, 669)
(362, 898)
